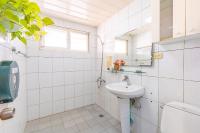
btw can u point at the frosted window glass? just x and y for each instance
(55, 38)
(79, 41)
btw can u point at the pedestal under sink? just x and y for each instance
(124, 93)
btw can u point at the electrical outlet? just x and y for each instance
(158, 55)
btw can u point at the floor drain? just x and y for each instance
(101, 115)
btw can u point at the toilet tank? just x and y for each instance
(180, 118)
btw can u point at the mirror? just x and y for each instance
(139, 47)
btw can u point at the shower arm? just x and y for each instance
(102, 55)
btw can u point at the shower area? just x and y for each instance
(61, 89)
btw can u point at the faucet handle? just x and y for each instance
(125, 77)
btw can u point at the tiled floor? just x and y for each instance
(82, 120)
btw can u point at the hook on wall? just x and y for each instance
(14, 50)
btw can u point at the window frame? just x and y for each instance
(68, 48)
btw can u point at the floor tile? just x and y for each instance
(82, 120)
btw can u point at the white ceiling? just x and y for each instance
(89, 12)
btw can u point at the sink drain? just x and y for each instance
(101, 115)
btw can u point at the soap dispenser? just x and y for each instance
(9, 81)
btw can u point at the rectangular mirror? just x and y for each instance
(139, 47)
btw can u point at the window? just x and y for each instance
(66, 38)
(55, 37)
(78, 41)
(121, 46)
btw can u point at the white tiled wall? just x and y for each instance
(60, 80)
(176, 77)
(16, 124)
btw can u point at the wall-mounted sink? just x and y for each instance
(124, 92)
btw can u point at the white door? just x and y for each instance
(192, 17)
(179, 18)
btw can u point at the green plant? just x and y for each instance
(20, 18)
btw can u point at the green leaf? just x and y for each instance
(23, 22)
(37, 36)
(11, 25)
(2, 29)
(28, 33)
(3, 2)
(21, 18)
(20, 36)
(13, 35)
(11, 16)
(47, 21)
(23, 40)
(32, 8)
(35, 27)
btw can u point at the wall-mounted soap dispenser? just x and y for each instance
(9, 81)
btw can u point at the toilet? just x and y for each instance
(180, 118)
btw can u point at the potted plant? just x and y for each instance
(21, 18)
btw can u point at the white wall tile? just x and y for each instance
(46, 109)
(88, 99)
(171, 66)
(46, 95)
(135, 79)
(69, 64)
(149, 111)
(192, 43)
(69, 91)
(151, 71)
(191, 93)
(79, 101)
(58, 64)
(58, 78)
(69, 78)
(32, 65)
(69, 104)
(79, 90)
(33, 97)
(58, 93)
(171, 46)
(32, 81)
(151, 87)
(33, 112)
(45, 80)
(170, 90)
(58, 106)
(45, 64)
(191, 64)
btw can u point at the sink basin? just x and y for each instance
(122, 90)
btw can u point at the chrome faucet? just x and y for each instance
(126, 79)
